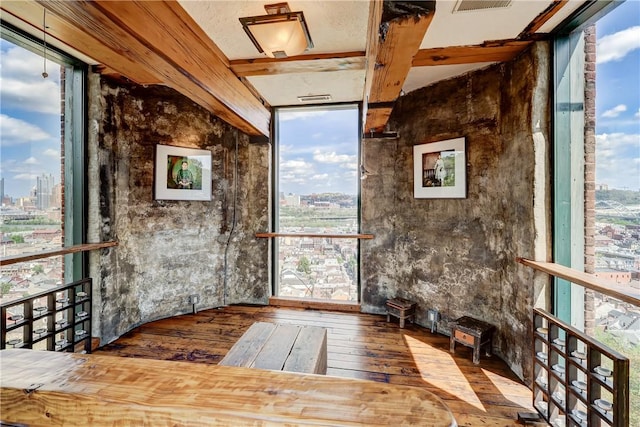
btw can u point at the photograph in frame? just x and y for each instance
(439, 170)
(182, 173)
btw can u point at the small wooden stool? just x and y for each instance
(402, 309)
(472, 333)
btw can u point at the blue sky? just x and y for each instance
(319, 151)
(618, 97)
(29, 119)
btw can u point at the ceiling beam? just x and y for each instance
(373, 41)
(31, 14)
(498, 51)
(403, 27)
(162, 38)
(299, 64)
(542, 19)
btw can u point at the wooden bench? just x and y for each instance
(402, 309)
(280, 347)
(52, 388)
(472, 333)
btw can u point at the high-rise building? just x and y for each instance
(44, 191)
(1, 191)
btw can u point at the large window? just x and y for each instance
(617, 186)
(42, 163)
(317, 188)
(597, 177)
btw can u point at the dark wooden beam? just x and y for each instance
(403, 27)
(497, 51)
(299, 64)
(164, 41)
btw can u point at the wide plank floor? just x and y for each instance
(358, 346)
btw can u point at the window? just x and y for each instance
(42, 163)
(317, 195)
(597, 176)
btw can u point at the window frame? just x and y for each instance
(275, 188)
(73, 145)
(569, 192)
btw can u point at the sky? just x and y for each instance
(618, 97)
(29, 119)
(319, 149)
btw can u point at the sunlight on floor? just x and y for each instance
(508, 388)
(453, 382)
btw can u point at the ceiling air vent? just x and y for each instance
(314, 98)
(473, 5)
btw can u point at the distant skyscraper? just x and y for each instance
(44, 191)
(1, 191)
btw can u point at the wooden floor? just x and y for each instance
(358, 346)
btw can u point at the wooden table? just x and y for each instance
(70, 389)
(280, 347)
(472, 333)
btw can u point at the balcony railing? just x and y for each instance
(580, 381)
(58, 319)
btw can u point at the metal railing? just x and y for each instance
(58, 319)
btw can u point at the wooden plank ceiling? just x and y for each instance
(158, 42)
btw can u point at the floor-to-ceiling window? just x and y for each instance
(616, 234)
(316, 197)
(597, 176)
(41, 162)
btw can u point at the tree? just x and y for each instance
(17, 238)
(304, 265)
(5, 287)
(37, 269)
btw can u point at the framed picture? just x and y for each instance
(182, 173)
(439, 170)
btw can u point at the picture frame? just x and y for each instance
(440, 169)
(182, 173)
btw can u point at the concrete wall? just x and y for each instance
(454, 255)
(169, 250)
(459, 255)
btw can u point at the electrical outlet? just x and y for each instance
(194, 299)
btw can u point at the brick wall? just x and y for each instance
(589, 169)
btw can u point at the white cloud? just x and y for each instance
(16, 132)
(31, 161)
(320, 177)
(618, 160)
(297, 165)
(286, 116)
(616, 46)
(332, 157)
(26, 176)
(350, 166)
(615, 111)
(22, 86)
(51, 153)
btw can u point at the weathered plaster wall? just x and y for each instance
(459, 255)
(169, 250)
